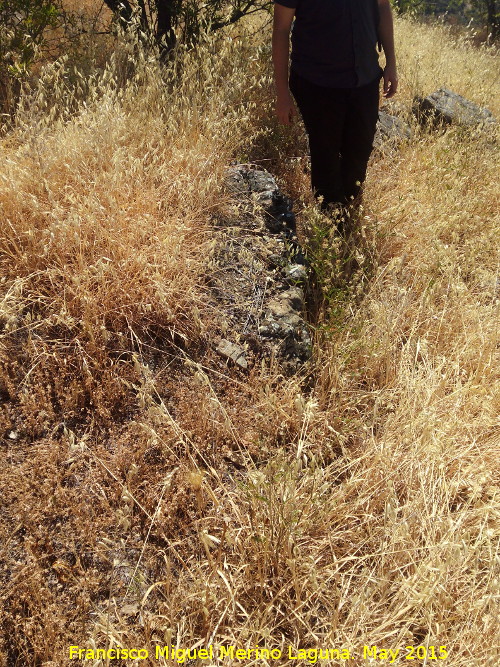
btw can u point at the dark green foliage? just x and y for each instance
(493, 16)
(22, 24)
(482, 12)
(169, 21)
(22, 27)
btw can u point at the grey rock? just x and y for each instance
(448, 107)
(291, 333)
(265, 198)
(283, 322)
(276, 260)
(261, 182)
(295, 297)
(391, 128)
(296, 272)
(271, 329)
(286, 321)
(278, 328)
(232, 351)
(235, 181)
(243, 178)
(298, 345)
(287, 302)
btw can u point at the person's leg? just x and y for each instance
(357, 139)
(323, 112)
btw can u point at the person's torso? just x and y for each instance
(334, 42)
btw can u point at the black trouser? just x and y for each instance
(340, 124)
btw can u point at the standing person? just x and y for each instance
(335, 79)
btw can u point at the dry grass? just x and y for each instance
(430, 57)
(152, 495)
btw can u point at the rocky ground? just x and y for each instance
(257, 275)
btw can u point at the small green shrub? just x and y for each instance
(22, 28)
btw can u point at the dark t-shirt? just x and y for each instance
(334, 42)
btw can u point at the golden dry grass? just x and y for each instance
(153, 496)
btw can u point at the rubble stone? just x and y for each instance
(232, 351)
(296, 273)
(258, 262)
